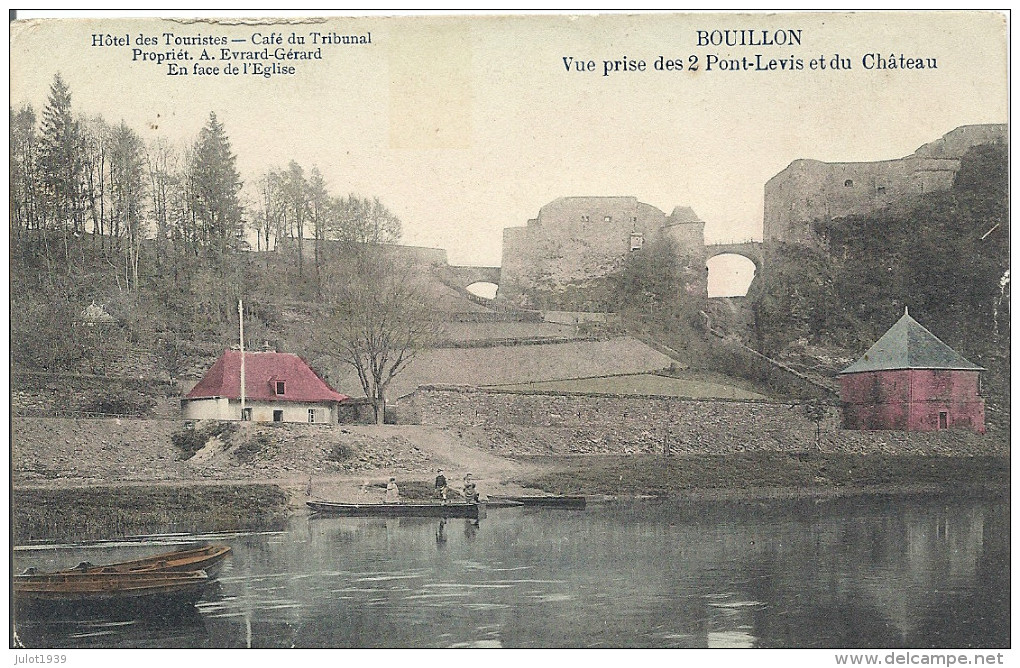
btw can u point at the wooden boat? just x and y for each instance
(208, 558)
(143, 591)
(502, 503)
(552, 501)
(397, 509)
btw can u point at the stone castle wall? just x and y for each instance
(330, 250)
(809, 190)
(565, 424)
(574, 239)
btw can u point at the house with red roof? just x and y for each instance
(279, 387)
(910, 380)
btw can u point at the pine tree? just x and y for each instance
(216, 184)
(60, 161)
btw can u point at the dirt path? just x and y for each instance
(459, 453)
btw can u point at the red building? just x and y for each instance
(279, 387)
(910, 380)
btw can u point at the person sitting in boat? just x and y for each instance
(441, 488)
(470, 491)
(392, 491)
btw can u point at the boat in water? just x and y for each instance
(151, 591)
(208, 558)
(472, 510)
(565, 502)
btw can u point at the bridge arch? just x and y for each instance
(483, 289)
(730, 275)
(732, 268)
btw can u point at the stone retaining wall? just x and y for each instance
(625, 424)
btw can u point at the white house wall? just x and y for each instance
(261, 411)
(207, 409)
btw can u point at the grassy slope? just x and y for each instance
(517, 364)
(690, 384)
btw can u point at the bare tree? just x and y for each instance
(381, 317)
(360, 220)
(318, 211)
(25, 205)
(267, 212)
(164, 178)
(295, 189)
(127, 191)
(95, 149)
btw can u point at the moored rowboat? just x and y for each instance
(145, 591)
(208, 558)
(396, 509)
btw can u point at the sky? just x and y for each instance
(464, 126)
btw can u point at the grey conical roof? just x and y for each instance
(908, 345)
(683, 214)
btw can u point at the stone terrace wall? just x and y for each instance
(556, 423)
(68, 394)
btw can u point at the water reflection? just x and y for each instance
(874, 572)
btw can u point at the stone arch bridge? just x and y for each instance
(465, 276)
(752, 250)
(749, 250)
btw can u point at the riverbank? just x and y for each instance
(811, 473)
(117, 511)
(87, 514)
(88, 479)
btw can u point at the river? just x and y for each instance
(875, 571)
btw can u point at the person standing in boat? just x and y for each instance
(392, 491)
(470, 491)
(441, 487)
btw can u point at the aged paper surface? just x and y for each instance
(465, 128)
(492, 113)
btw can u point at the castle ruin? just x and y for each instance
(574, 239)
(810, 190)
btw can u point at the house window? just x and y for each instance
(637, 240)
(849, 183)
(311, 415)
(280, 387)
(277, 416)
(246, 414)
(943, 420)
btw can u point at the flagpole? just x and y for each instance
(240, 321)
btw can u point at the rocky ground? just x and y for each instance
(328, 462)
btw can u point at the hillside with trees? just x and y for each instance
(128, 258)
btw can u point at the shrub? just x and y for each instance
(190, 441)
(343, 451)
(118, 403)
(260, 444)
